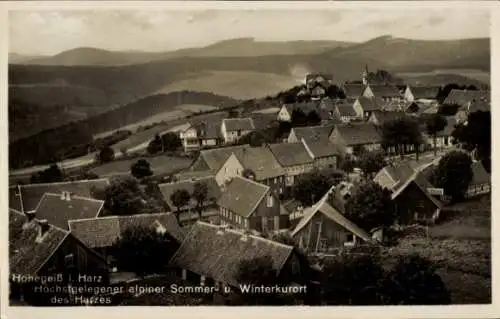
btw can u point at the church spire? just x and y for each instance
(365, 75)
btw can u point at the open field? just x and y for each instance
(453, 75)
(160, 165)
(460, 246)
(235, 84)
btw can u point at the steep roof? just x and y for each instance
(463, 97)
(242, 196)
(208, 130)
(261, 161)
(359, 133)
(387, 116)
(217, 254)
(32, 193)
(105, 231)
(370, 104)
(353, 90)
(385, 91)
(59, 211)
(289, 154)
(309, 132)
(215, 158)
(479, 174)
(27, 254)
(425, 92)
(323, 207)
(321, 147)
(235, 124)
(346, 109)
(213, 190)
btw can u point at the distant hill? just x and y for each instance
(15, 58)
(242, 47)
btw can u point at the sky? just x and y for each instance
(51, 32)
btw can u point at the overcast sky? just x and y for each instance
(50, 32)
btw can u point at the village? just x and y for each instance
(337, 179)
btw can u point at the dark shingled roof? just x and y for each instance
(105, 231)
(346, 109)
(370, 104)
(217, 254)
(309, 132)
(235, 124)
(242, 196)
(353, 90)
(387, 116)
(59, 211)
(261, 161)
(425, 92)
(32, 193)
(213, 191)
(480, 176)
(216, 157)
(192, 174)
(381, 91)
(359, 133)
(463, 97)
(289, 154)
(208, 130)
(27, 251)
(321, 147)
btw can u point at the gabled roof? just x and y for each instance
(213, 190)
(323, 207)
(261, 161)
(235, 124)
(359, 133)
(105, 231)
(425, 92)
(26, 254)
(59, 211)
(463, 97)
(32, 193)
(370, 104)
(309, 132)
(353, 90)
(346, 109)
(289, 154)
(242, 196)
(320, 147)
(385, 91)
(479, 174)
(387, 116)
(217, 254)
(208, 130)
(215, 158)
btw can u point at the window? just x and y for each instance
(281, 190)
(275, 180)
(69, 260)
(246, 223)
(270, 201)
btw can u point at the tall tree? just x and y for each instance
(106, 154)
(144, 250)
(401, 133)
(171, 141)
(310, 187)
(370, 206)
(298, 118)
(371, 162)
(141, 169)
(434, 124)
(125, 197)
(156, 145)
(52, 174)
(179, 198)
(313, 118)
(414, 281)
(454, 174)
(200, 194)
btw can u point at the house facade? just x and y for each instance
(385, 93)
(235, 128)
(444, 138)
(294, 158)
(365, 106)
(353, 138)
(198, 136)
(421, 94)
(481, 181)
(324, 153)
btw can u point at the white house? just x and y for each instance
(235, 128)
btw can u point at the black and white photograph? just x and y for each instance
(249, 155)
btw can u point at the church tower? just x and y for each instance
(365, 75)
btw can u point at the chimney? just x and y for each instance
(44, 226)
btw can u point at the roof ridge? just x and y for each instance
(237, 231)
(252, 181)
(66, 182)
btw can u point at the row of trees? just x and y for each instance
(181, 197)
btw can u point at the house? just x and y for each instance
(464, 97)
(101, 233)
(365, 106)
(352, 138)
(37, 248)
(25, 198)
(200, 135)
(286, 110)
(294, 158)
(247, 204)
(379, 118)
(481, 181)
(259, 162)
(420, 109)
(189, 212)
(324, 153)
(295, 211)
(344, 111)
(410, 192)
(325, 229)
(233, 129)
(421, 94)
(318, 78)
(211, 256)
(353, 90)
(211, 160)
(463, 112)
(318, 90)
(444, 137)
(58, 209)
(309, 132)
(386, 93)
